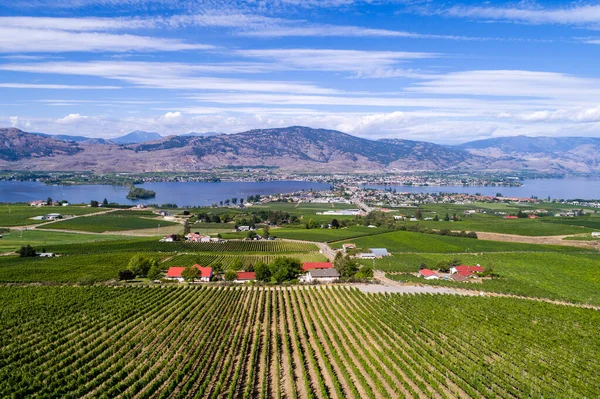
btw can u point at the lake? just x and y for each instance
(194, 194)
(182, 194)
(568, 188)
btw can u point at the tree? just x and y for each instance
(311, 224)
(447, 218)
(140, 265)
(263, 273)
(227, 202)
(335, 224)
(230, 275)
(27, 252)
(346, 266)
(241, 201)
(436, 218)
(521, 214)
(423, 266)
(94, 204)
(49, 201)
(105, 202)
(217, 268)
(266, 232)
(234, 200)
(221, 203)
(251, 234)
(190, 273)
(419, 214)
(237, 264)
(284, 268)
(366, 272)
(126, 275)
(187, 227)
(154, 271)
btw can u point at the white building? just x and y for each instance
(596, 234)
(322, 275)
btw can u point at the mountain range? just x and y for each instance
(294, 148)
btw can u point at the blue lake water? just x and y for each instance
(568, 188)
(182, 194)
(192, 193)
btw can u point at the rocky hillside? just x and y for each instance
(551, 154)
(15, 145)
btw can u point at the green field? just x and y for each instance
(114, 221)
(405, 241)
(20, 215)
(319, 234)
(40, 239)
(68, 342)
(86, 269)
(562, 276)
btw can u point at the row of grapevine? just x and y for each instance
(310, 342)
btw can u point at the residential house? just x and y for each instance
(346, 247)
(309, 266)
(466, 269)
(169, 238)
(38, 203)
(195, 237)
(322, 275)
(174, 273)
(244, 277)
(428, 274)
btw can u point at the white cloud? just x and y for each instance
(14, 121)
(165, 76)
(55, 86)
(576, 15)
(25, 40)
(71, 119)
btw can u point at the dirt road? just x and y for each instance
(545, 240)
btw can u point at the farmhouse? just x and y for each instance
(346, 247)
(466, 269)
(596, 234)
(428, 274)
(322, 275)
(195, 237)
(169, 238)
(38, 203)
(46, 255)
(316, 265)
(366, 255)
(174, 273)
(244, 277)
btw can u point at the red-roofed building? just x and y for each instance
(174, 273)
(193, 237)
(428, 274)
(243, 277)
(316, 265)
(510, 217)
(462, 269)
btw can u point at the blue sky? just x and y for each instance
(446, 72)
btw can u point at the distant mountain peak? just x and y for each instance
(137, 136)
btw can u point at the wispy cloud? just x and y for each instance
(575, 15)
(25, 40)
(164, 76)
(55, 86)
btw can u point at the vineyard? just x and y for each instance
(210, 259)
(142, 342)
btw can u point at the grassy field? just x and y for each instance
(114, 221)
(573, 277)
(45, 239)
(405, 241)
(20, 215)
(294, 343)
(86, 269)
(322, 235)
(306, 211)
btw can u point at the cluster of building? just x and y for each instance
(457, 273)
(312, 272)
(40, 203)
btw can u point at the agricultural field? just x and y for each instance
(113, 221)
(564, 276)
(77, 269)
(406, 241)
(225, 260)
(306, 211)
(20, 214)
(338, 343)
(14, 239)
